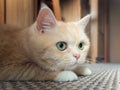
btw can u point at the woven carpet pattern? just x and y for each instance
(104, 77)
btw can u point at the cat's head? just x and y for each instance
(58, 45)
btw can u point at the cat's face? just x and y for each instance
(59, 45)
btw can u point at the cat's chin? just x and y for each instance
(81, 62)
(71, 67)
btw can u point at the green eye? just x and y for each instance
(61, 46)
(81, 46)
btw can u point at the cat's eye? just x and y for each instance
(81, 46)
(61, 46)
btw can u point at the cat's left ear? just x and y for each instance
(46, 19)
(84, 21)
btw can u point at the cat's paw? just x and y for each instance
(66, 76)
(82, 70)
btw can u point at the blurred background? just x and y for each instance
(103, 29)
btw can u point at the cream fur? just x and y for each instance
(31, 53)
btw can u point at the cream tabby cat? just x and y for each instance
(47, 50)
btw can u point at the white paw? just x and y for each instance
(83, 71)
(66, 76)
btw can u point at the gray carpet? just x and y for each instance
(104, 77)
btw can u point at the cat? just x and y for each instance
(47, 50)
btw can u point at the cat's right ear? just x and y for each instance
(45, 19)
(84, 21)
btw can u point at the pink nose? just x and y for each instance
(77, 56)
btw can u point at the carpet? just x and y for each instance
(104, 77)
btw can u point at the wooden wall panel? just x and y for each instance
(19, 12)
(71, 10)
(35, 9)
(1, 11)
(94, 29)
(57, 9)
(106, 32)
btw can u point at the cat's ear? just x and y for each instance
(46, 19)
(84, 21)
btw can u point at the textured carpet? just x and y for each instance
(104, 77)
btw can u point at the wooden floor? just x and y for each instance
(104, 77)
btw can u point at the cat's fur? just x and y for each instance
(31, 53)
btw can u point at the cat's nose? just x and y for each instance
(77, 56)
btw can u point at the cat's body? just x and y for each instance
(15, 60)
(43, 51)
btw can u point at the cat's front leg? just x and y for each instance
(66, 76)
(82, 70)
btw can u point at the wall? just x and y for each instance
(17, 12)
(101, 13)
(1, 11)
(114, 30)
